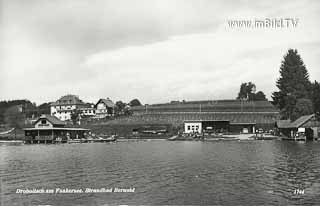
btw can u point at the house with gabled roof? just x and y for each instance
(309, 125)
(48, 121)
(104, 108)
(50, 129)
(64, 106)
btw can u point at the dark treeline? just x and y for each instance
(8, 109)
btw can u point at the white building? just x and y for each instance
(64, 106)
(193, 127)
(88, 111)
(104, 108)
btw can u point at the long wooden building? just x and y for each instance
(50, 129)
(228, 115)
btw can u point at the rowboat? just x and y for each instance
(11, 142)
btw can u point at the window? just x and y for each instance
(43, 121)
(188, 127)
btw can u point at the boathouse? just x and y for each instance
(50, 129)
(218, 126)
(306, 125)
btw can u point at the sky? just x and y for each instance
(153, 50)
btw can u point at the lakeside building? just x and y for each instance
(104, 108)
(236, 116)
(50, 129)
(66, 105)
(88, 111)
(307, 125)
(63, 107)
(220, 126)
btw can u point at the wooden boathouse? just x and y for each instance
(306, 127)
(50, 129)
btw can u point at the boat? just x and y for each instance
(265, 137)
(111, 139)
(173, 138)
(11, 142)
(293, 139)
(7, 132)
(72, 141)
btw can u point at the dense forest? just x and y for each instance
(9, 109)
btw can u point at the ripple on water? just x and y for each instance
(255, 172)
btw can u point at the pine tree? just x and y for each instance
(293, 84)
(316, 98)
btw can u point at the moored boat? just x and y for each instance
(11, 142)
(72, 141)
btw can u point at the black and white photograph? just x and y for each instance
(159, 102)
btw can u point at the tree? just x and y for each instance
(259, 96)
(14, 117)
(293, 85)
(5, 105)
(119, 108)
(127, 111)
(44, 108)
(302, 107)
(316, 98)
(135, 102)
(247, 92)
(75, 116)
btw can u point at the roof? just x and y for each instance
(68, 100)
(214, 120)
(222, 120)
(179, 117)
(295, 124)
(57, 128)
(54, 120)
(242, 123)
(284, 124)
(300, 121)
(107, 102)
(209, 106)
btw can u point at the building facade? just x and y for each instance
(307, 126)
(63, 107)
(218, 126)
(235, 116)
(50, 129)
(88, 111)
(104, 108)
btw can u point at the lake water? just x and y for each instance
(163, 172)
